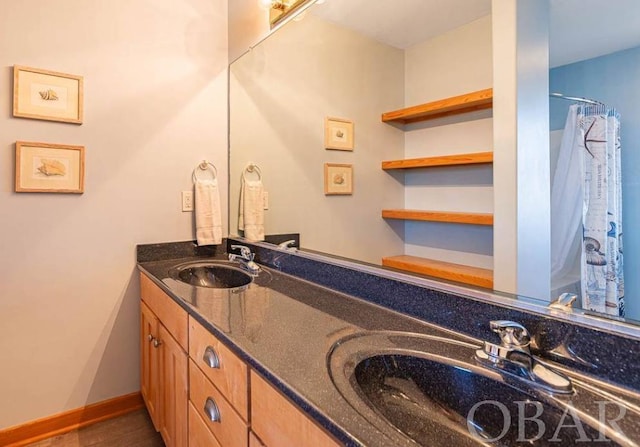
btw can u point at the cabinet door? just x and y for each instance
(149, 366)
(173, 385)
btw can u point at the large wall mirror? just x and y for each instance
(338, 69)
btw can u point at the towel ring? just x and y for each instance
(251, 168)
(205, 166)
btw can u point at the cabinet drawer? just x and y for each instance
(279, 423)
(199, 434)
(254, 441)
(229, 428)
(230, 376)
(173, 317)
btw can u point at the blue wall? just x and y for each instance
(613, 79)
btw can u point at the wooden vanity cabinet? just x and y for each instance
(278, 423)
(174, 386)
(254, 441)
(218, 388)
(164, 362)
(225, 370)
(149, 364)
(198, 391)
(199, 433)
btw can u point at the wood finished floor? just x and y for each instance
(131, 430)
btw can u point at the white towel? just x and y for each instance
(251, 215)
(208, 215)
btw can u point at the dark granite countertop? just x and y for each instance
(284, 328)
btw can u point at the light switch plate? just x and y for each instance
(187, 201)
(265, 200)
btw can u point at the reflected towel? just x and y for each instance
(255, 308)
(208, 215)
(251, 216)
(215, 306)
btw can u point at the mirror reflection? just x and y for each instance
(280, 9)
(594, 135)
(306, 107)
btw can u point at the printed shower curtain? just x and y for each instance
(587, 196)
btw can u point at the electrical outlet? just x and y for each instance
(265, 200)
(187, 201)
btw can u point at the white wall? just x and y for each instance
(454, 63)
(521, 147)
(248, 24)
(155, 105)
(280, 94)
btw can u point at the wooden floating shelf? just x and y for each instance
(443, 160)
(470, 102)
(440, 216)
(445, 270)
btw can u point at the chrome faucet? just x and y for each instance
(564, 302)
(245, 258)
(288, 245)
(512, 356)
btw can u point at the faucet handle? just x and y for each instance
(287, 244)
(564, 302)
(245, 251)
(511, 334)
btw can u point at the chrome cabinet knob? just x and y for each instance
(211, 358)
(211, 410)
(150, 337)
(156, 342)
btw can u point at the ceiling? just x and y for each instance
(402, 23)
(583, 29)
(579, 29)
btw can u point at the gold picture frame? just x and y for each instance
(45, 167)
(338, 134)
(47, 95)
(338, 179)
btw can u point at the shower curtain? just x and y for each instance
(586, 207)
